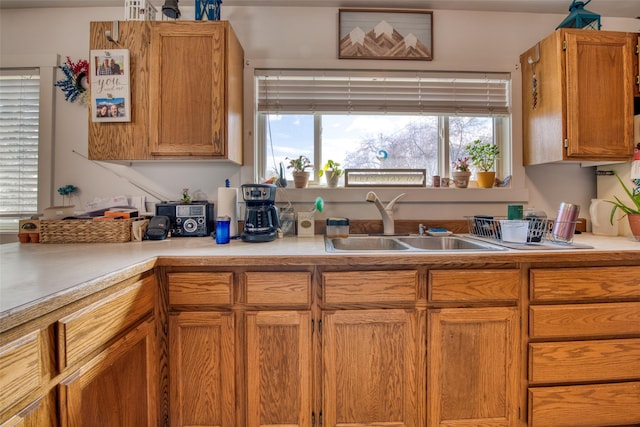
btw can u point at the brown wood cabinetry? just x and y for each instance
(372, 359)
(195, 97)
(577, 96)
(584, 346)
(279, 369)
(202, 369)
(93, 362)
(202, 354)
(473, 352)
(186, 88)
(117, 387)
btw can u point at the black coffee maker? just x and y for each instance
(261, 220)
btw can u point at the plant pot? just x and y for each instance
(301, 179)
(332, 180)
(634, 224)
(461, 178)
(486, 179)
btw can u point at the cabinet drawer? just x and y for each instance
(579, 284)
(278, 288)
(581, 361)
(473, 285)
(201, 288)
(584, 320)
(94, 326)
(20, 369)
(585, 405)
(356, 287)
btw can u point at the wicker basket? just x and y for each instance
(85, 231)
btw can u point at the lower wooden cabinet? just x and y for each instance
(202, 369)
(279, 368)
(370, 370)
(115, 388)
(584, 347)
(473, 376)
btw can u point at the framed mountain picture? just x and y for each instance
(385, 34)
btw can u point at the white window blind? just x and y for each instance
(463, 93)
(19, 123)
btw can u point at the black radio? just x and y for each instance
(193, 219)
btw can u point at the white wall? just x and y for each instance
(301, 37)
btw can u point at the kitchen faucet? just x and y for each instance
(385, 212)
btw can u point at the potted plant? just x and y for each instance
(334, 172)
(300, 174)
(632, 212)
(461, 172)
(483, 156)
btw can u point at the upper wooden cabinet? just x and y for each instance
(186, 91)
(577, 96)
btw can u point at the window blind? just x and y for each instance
(286, 91)
(19, 122)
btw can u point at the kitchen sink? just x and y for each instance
(367, 243)
(364, 243)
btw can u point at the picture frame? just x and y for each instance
(385, 34)
(110, 89)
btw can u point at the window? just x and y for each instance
(384, 120)
(19, 134)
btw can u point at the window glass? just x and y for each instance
(373, 141)
(385, 120)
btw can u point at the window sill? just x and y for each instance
(412, 195)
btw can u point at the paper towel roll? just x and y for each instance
(228, 205)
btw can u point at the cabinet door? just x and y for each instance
(599, 95)
(472, 367)
(115, 388)
(201, 369)
(370, 368)
(279, 368)
(187, 89)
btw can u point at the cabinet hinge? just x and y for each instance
(564, 45)
(566, 143)
(165, 328)
(320, 332)
(166, 421)
(320, 419)
(313, 418)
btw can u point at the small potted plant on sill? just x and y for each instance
(333, 173)
(300, 174)
(632, 212)
(461, 173)
(483, 156)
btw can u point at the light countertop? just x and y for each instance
(37, 274)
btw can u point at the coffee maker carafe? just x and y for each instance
(261, 220)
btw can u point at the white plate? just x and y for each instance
(439, 233)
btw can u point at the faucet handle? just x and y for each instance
(395, 199)
(421, 229)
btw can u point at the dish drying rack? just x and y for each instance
(530, 230)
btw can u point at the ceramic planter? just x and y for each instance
(461, 178)
(332, 179)
(634, 224)
(301, 179)
(486, 179)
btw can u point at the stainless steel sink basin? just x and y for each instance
(363, 243)
(448, 243)
(367, 243)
